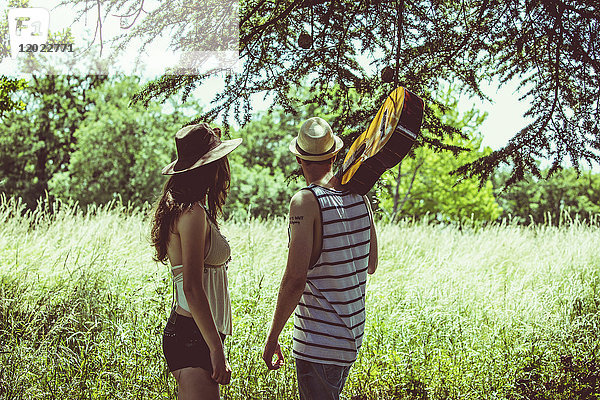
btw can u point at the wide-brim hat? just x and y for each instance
(198, 145)
(316, 141)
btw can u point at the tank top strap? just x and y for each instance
(208, 216)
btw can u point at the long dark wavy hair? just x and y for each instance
(208, 184)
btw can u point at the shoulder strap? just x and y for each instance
(315, 190)
(211, 220)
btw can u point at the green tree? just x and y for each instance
(120, 148)
(258, 191)
(266, 140)
(564, 195)
(423, 185)
(8, 88)
(37, 142)
(549, 46)
(259, 167)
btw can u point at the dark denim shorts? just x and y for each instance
(183, 344)
(320, 381)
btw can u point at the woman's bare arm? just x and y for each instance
(192, 227)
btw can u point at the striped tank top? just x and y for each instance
(329, 320)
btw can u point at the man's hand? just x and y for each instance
(272, 348)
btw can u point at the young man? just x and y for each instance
(332, 247)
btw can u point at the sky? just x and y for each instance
(505, 113)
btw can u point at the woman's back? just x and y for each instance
(214, 278)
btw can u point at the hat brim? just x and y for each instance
(338, 146)
(226, 147)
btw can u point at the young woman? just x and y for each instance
(185, 232)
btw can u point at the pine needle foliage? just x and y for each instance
(550, 46)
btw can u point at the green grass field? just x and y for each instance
(496, 312)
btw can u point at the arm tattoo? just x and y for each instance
(295, 219)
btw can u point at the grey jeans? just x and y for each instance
(320, 381)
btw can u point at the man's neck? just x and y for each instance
(327, 179)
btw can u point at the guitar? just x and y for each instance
(385, 143)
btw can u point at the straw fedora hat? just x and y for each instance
(198, 145)
(316, 141)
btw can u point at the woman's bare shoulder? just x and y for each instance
(192, 220)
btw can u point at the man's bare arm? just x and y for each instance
(373, 253)
(303, 209)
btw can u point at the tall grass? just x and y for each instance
(497, 312)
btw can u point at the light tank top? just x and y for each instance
(214, 281)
